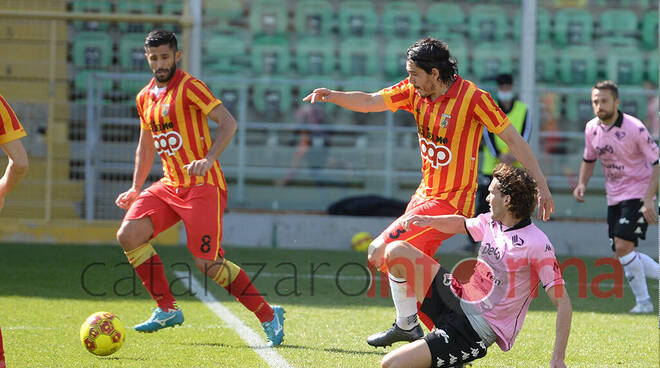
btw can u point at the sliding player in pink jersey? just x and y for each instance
(483, 300)
(629, 156)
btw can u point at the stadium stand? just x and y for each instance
(357, 18)
(445, 18)
(573, 26)
(401, 19)
(268, 17)
(315, 56)
(488, 23)
(313, 18)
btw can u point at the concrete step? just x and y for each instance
(32, 30)
(34, 209)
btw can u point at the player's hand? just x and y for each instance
(126, 199)
(376, 254)
(417, 220)
(198, 167)
(648, 210)
(546, 206)
(319, 94)
(578, 193)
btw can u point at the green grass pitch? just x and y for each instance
(47, 291)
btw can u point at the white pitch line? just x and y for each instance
(270, 355)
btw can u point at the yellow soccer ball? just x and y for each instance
(102, 333)
(361, 241)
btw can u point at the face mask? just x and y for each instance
(505, 96)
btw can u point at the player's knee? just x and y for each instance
(128, 237)
(623, 247)
(391, 361)
(207, 266)
(396, 250)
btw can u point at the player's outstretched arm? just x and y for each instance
(523, 152)
(586, 170)
(144, 159)
(354, 100)
(648, 206)
(226, 128)
(562, 302)
(16, 168)
(449, 224)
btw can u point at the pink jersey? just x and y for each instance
(513, 261)
(627, 151)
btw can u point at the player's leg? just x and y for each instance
(415, 354)
(2, 352)
(147, 217)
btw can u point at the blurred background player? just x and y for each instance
(629, 156)
(469, 316)
(11, 131)
(450, 113)
(173, 111)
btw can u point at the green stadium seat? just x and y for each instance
(315, 55)
(131, 52)
(402, 19)
(445, 18)
(268, 17)
(625, 66)
(458, 48)
(577, 65)
(223, 54)
(491, 59)
(271, 55)
(359, 57)
(650, 30)
(546, 63)
(172, 7)
(395, 58)
(616, 42)
(313, 18)
(80, 82)
(131, 87)
(578, 107)
(272, 98)
(543, 28)
(635, 105)
(91, 6)
(224, 11)
(92, 50)
(488, 23)
(357, 18)
(136, 7)
(618, 22)
(640, 4)
(229, 94)
(573, 26)
(652, 67)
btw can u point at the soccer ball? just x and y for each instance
(361, 241)
(102, 333)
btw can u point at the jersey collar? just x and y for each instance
(617, 123)
(452, 92)
(520, 225)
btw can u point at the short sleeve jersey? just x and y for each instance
(10, 128)
(626, 151)
(177, 119)
(449, 130)
(515, 260)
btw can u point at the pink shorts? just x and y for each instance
(200, 207)
(426, 239)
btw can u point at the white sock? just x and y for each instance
(406, 306)
(634, 270)
(651, 267)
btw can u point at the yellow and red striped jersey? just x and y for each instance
(449, 130)
(10, 128)
(177, 120)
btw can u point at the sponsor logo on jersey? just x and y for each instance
(168, 143)
(436, 155)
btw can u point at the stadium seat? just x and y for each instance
(395, 58)
(458, 48)
(131, 52)
(402, 19)
(577, 64)
(445, 18)
(640, 4)
(488, 23)
(578, 107)
(224, 11)
(491, 59)
(222, 53)
(543, 28)
(272, 98)
(271, 55)
(650, 29)
(268, 17)
(573, 26)
(91, 6)
(131, 87)
(172, 7)
(357, 18)
(625, 66)
(359, 57)
(546, 63)
(313, 18)
(80, 82)
(92, 50)
(136, 7)
(635, 105)
(229, 94)
(315, 55)
(652, 67)
(618, 22)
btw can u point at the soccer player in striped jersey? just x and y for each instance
(629, 156)
(173, 110)
(11, 131)
(451, 113)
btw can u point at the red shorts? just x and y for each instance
(426, 239)
(200, 207)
